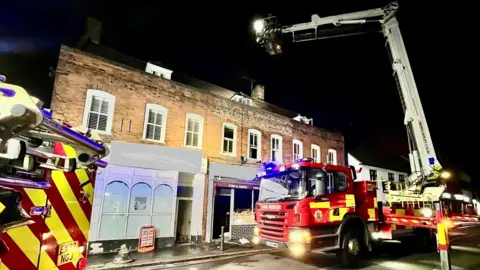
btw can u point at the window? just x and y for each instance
(139, 209)
(330, 183)
(401, 178)
(98, 112)
(297, 150)
(332, 157)
(315, 149)
(114, 211)
(162, 216)
(373, 174)
(254, 144)
(276, 148)
(229, 141)
(193, 130)
(391, 176)
(155, 123)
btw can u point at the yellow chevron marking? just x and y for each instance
(3, 267)
(88, 188)
(404, 220)
(371, 214)
(54, 223)
(2, 207)
(415, 221)
(394, 219)
(72, 203)
(314, 205)
(69, 151)
(29, 244)
(375, 203)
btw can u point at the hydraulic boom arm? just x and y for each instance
(424, 164)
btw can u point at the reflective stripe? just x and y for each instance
(341, 212)
(315, 205)
(371, 214)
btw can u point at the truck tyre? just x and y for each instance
(352, 249)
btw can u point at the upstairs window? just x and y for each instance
(155, 123)
(373, 174)
(391, 176)
(315, 153)
(332, 157)
(297, 150)
(98, 112)
(194, 130)
(254, 144)
(229, 140)
(276, 148)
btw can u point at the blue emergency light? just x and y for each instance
(431, 160)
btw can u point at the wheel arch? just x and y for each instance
(352, 221)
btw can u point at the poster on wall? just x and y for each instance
(140, 203)
(146, 238)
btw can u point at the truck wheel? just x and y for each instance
(352, 249)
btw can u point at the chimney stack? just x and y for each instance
(258, 92)
(94, 30)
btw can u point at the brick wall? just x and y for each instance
(133, 89)
(78, 71)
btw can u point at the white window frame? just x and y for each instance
(157, 109)
(111, 108)
(300, 149)
(200, 131)
(280, 146)
(319, 153)
(234, 147)
(259, 144)
(334, 152)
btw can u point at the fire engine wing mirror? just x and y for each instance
(354, 172)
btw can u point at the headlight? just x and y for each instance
(255, 231)
(300, 236)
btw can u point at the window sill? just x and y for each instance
(192, 147)
(254, 159)
(228, 154)
(100, 132)
(154, 141)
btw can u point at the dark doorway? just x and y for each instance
(184, 220)
(221, 211)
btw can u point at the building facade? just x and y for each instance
(373, 164)
(174, 147)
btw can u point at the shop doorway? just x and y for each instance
(184, 220)
(221, 211)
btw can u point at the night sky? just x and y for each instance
(344, 84)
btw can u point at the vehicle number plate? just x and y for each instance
(271, 244)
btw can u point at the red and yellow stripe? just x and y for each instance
(37, 246)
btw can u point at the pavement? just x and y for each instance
(177, 254)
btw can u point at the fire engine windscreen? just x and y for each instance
(296, 185)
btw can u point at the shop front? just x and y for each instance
(231, 201)
(147, 185)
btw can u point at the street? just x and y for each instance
(465, 255)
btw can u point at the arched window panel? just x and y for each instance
(163, 199)
(114, 211)
(140, 199)
(162, 217)
(115, 197)
(139, 209)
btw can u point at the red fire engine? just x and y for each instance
(47, 174)
(314, 207)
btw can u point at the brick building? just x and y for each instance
(173, 139)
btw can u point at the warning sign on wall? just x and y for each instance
(146, 238)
